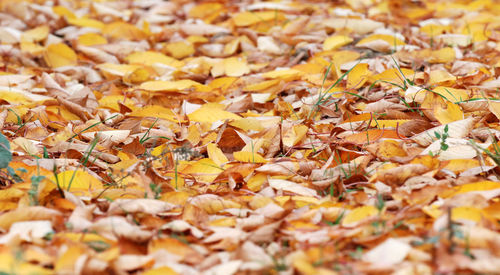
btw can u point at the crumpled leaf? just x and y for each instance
(390, 252)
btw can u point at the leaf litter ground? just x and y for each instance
(337, 137)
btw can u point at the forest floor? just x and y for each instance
(246, 137)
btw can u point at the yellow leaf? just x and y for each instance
(11, 194)
(160, 271)
(441, 77)
(150, 58)
(36, 34)
(358, 76)
(58, 55)
(371, 136)
(434, 29)
(222, 83)
(443, 55)
(77, 180)
(309, 68)
(359, 214)
(294, 135)
(124, 30)
(156, 111)
(197, 39)
(391, 40)
(63, 112)
(202, 10)
(216, 154)
(451, 112)
(460, 165)
(245, 156)
(235, 66)
(256, 181)
(335, 42)
(493, 210)
(11, 263)
(387, 123)
(7, 205)
(211, 114)
(452, 94)
(432, 211)
(111, 102)
(14, 98)
(231, 47)
(175, 197)
(63, 11)
(393, 75)
(33, 48)
(285, 74)
(471, 187)
(203, 170)
(247, 124)
(65, 264)
(341, 57)
(494, 107)
(225, 222)
(390, 148)
(91, 39)
(194, 135)
(179, 49)
(304, 267)
(247, 18)
(169, 86)
(261, 85)
(255, 145)
(117, 69)
(466, 213)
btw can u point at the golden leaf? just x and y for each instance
(58, 55)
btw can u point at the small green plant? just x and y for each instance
(494, 154)
(337, 220)
(279, 264)
(33, 192)
(84, 160)
(146, 136)
(58, 184)
(7, 174)
(156, 189)
(98, 245)
(443, 137)
(20, 121)
(5, 154)
(324, 96)
(357, 254)
(380, 204)
(90, 127)
(379, 224)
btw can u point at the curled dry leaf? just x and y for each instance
(457, 129)
(290, 186)
(29, 231)
(115, 227)
(149, 206)
(398, 175)
(26, 214)
(387, 254)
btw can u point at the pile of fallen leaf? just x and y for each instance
(246, 137)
